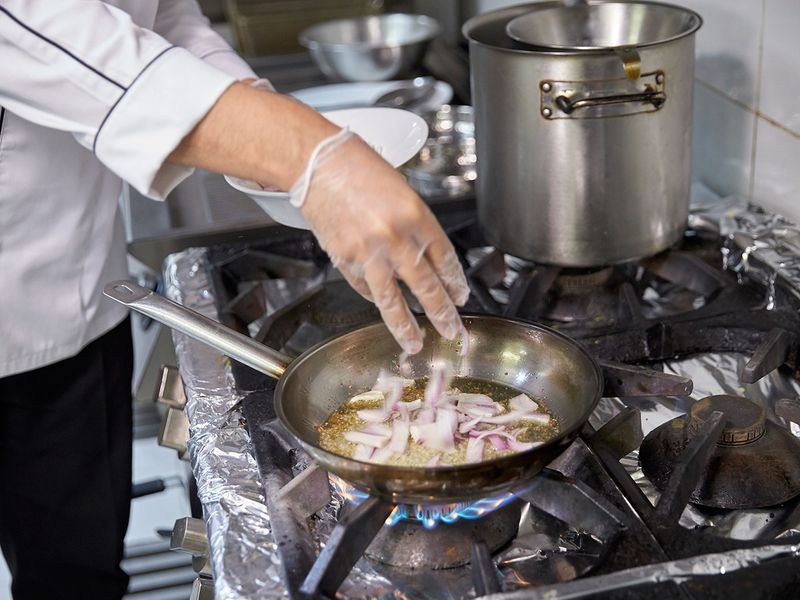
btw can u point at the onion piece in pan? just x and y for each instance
(368, 439)
(399, 439)
(474, 450)
(373, 415)
(523, 403)
(363, 452)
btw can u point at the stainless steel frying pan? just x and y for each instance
(534, 359)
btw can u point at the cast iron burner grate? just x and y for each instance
(621, 322)
(637, 550)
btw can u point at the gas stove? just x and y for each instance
(663, 495)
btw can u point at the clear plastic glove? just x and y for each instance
(377, 230)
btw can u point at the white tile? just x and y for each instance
(727, 45)
(780, 75)
(722, 143)
(777, 173)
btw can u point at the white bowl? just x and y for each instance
(397, 135)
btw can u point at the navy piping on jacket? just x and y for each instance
(64, 50)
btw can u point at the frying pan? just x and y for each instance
(536, 360)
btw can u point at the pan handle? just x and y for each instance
(232, 343)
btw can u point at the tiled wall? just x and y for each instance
(747, 100)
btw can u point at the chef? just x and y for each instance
(96, 93)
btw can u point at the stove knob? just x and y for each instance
(202, 589)
(169, 388)
(174, 431)
(189, 535)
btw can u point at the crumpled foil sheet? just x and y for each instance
(243, 555)
(244, 559)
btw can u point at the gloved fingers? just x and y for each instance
(355, 278)
(443, 258)
(428, 289)
(392, 306)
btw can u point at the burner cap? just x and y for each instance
(756, 463)
(744, 420)
(576, 280)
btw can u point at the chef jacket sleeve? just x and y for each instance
(182, 23)
(124, 92)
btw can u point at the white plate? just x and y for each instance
(397, 135)
(330, 97)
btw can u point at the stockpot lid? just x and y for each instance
(600, 26)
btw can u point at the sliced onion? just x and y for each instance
(498, 442)
(515, 416)
(444, 438)
(407, 407)
(523, 403)
(377, 429)
(522, 446)
(468, 426)
(373, 415)
(538, 418)
(473, 399)
(450, 416)
(498, 431)
(424, 416)
(363, 452)
(436, 436)
(437, 384)
(433, 461)
(477, 411)
(382, 455)
(368, 439)
(474, 450)
(370, 396)
(399, 439)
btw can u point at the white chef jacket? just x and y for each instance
(92, 93)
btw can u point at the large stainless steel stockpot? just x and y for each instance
(583, 121)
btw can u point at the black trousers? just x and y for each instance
(65, 473)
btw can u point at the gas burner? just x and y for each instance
(328, 309)
(587, 296)
(582, 280)
(408, 543)
(755, 464)
(437, 536)
(427, 515)
(339, 305)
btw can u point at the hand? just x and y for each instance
(376, 230)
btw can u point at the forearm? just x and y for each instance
(254, 134)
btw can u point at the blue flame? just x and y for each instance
(429, 515)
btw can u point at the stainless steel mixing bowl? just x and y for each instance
(374, 48)
(446, 165)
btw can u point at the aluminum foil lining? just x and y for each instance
(243, 555)
(760, 245)
(244, 558)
